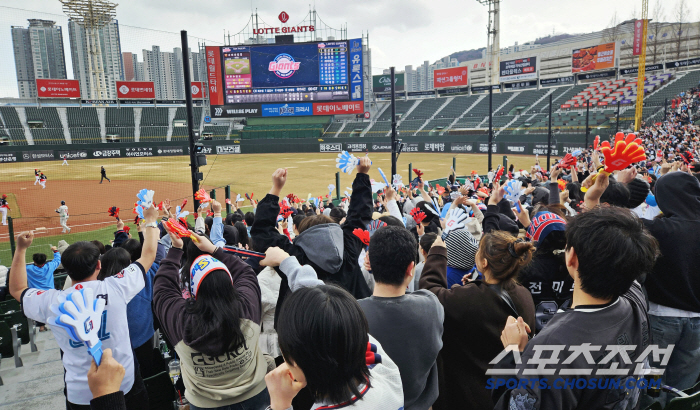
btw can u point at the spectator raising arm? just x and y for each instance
(264, 231)
(150, 238)
(18, 279)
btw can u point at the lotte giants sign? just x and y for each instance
(638, 37)
(451, 77)
(52, 88)
(197, 88)
(135, 90)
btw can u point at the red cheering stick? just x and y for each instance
(202, 196)
(285, 211)
(182, 207)
(127, 229)
(135, 206)
(440, 190)
(567, 162)
(363, 235)
(114, 212)
(228, 201)
(417, 215)
(596, 141)
(160, 206)
(499, 173)
(136, 220)
(176, 228)
(210, 212)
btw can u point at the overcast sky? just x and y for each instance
(400, 32)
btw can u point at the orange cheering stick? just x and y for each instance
(596, 141)
(626, 151)
(202, 196)
(177, 228)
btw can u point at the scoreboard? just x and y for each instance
(318, 78)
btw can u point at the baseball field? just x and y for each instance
(33, 207)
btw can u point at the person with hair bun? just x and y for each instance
(475, 315)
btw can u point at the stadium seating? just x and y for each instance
(333, 128)
(10, 117)
(82, 117)
(435, 126)
(17, 136)
(85, 135)
(47, 115)
(218, 132)
(154, 117)
(48, 136)
(119, 117)
(181, 114)
(152, 134)
(426, 108)
(126, 134)
(401, 107)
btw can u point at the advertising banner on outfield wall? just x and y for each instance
(228, 149)
(484, 147)
(683, 63)
(647, 68)
(38, 156)
(593, 58)
(410, 147)
(337, 147)
(434, 147)
(53, 88)
(139, 152)
(570, 147)
(451, 77)
(453, 90)
(165, 151)
(135, 90)
(541, 149)
(518, 70)
(515, 148)
(593, 76)
(107, 153)
(353, 147)
(73, 154)
(381, 147)
(466, 147)
(382, 83)
(558, 81)
(8, 157)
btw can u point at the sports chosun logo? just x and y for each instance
(284, 65)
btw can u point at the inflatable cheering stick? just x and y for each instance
(80, 315)
(499, 173)
(386, 181)
(373, 226)
(177, 228)
(454, 222)
(363, 235)
(145, 198)
(331, 188)
(596, 142)
(203, 197)
(346, 162)
(417, 215)
(417, 180)
(398, 181)
(623, 153)
(569, 160)
(514, 189)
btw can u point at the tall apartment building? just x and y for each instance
(165, 69)
(38, 51)
(133, 68)
(111, 62)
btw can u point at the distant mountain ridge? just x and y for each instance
(475, 54)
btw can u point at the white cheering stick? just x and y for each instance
(398, 181)
(454, 222)
(145, 197)
(346, 162)
(80, 315)
(383, 176)
(331, 188)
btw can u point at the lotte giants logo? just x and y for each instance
(284, 17)
(284, 65)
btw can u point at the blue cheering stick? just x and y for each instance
(346, 162)
(383, 176)
(513, 191)
(139, 211)
(145, 197)
(80, 315)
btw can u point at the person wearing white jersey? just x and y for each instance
(42, 180)
(81, 260)
(4, 207)
(65, 160)
(36, 176)
(62, 212)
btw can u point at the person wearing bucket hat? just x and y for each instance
(546, 277)
(216, 329)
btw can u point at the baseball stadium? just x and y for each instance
(94, 111)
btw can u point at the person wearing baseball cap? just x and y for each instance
(546, 277)
(215, 328)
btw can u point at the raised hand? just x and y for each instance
(279, 178)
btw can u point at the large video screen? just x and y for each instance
(593, 58)
(320, 78)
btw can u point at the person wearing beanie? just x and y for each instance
(546, 277)
(639, 190)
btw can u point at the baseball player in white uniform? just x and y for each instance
(36, 176)
(4, 207)
(65, 160)
(62, 212)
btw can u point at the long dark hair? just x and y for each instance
(218, 314)
(113, 261)
(242, 234)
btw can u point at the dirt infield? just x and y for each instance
(87, 201)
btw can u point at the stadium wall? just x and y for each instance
(524, 145)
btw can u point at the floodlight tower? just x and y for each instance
(493, 48)
(92, 15)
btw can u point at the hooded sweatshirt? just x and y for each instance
(230, 378)
(675, 280)
(331, 249)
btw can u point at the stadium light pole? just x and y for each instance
(194, 168)
(393, 122)
(549, 132)
(490, 124)
(617, 121)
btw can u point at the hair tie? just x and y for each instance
(511, 247)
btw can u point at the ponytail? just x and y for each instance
(505, 255)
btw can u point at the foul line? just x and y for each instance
(7, 235)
